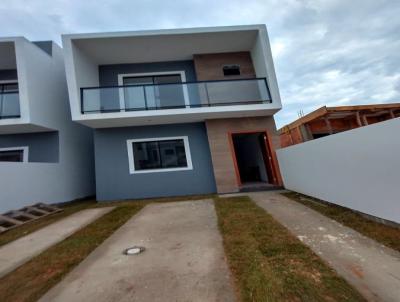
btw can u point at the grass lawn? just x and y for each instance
(387, 235)
(34, 278)
(269, 263)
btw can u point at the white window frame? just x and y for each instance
(25, 152)
(131, 157)
(121, 77)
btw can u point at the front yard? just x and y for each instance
(268, 263)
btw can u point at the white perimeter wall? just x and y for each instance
(24, 184)
(357, 169)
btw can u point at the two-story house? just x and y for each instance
(176, 112)
(44, 156)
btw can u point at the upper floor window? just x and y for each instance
(9, 99)
(14, 154)
(230, 70)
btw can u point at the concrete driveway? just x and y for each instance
(21, 250)
(370, 267)
(183, 261)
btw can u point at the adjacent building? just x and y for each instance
(330, 120)
(44, 156)
(176, 112)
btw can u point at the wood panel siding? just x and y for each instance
(219, 131)
(210, 66)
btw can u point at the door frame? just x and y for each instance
(271, 160)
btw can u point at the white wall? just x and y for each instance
(261, 56)
(22, 184)
(358, 169)
(81, 72)
(22, 81)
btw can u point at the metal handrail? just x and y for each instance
(146, 107)
(190, 82)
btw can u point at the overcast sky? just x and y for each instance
(328, 52)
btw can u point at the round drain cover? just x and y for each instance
(135, 250)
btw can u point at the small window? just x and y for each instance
(159, 155)
(14, 154)
(230, 70)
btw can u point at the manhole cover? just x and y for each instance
(135, 250)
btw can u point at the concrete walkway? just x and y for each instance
(370, 267)
(18, 252)
(183, 260)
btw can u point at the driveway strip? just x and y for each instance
(183, 260)
(17, 252)
(370, 267)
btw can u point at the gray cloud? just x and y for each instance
(327, 52)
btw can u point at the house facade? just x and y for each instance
(176, 112)
(41, 149)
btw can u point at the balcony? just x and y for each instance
(186, 95)
(9, 105)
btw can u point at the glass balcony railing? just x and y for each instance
(173, 96)
(9, 105)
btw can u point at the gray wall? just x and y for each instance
(108, 74)
(8, 74)
(43, 146)
(46, 46)
(114, 182)
(358, 169)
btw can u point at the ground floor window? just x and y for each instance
(14, 154)
(159, 154)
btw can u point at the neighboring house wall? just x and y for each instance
(73, 176)
(291, 137)
(113, 180)
(218, 132)
(43, 146)
(358, 169)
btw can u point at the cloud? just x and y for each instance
(326, 52)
